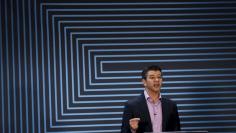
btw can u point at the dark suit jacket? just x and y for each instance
(137, 108)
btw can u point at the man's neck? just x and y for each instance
(154, 95)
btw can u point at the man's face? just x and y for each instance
(153, 81)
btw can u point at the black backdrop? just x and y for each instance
(69, 66)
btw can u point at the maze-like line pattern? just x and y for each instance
(86, 67)
(101, 115)
(88, 58)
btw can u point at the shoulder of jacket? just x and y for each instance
(169, 101)
(135, 100)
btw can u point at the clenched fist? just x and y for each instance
(134, 123)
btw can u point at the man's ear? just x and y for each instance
(144, 82)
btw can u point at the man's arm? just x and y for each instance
(176, 120)
(127, 115)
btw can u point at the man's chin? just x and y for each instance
(157, 90)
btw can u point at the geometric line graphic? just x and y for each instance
(70, 66)
(98, 64)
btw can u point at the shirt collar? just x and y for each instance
(147, 97)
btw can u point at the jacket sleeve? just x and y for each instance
(127, 115)
(176, 120)
(172, 121)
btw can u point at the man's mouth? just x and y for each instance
(156, 85)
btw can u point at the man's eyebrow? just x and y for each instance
(154, 75)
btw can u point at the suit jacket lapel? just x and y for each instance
(164, 114)
(145, 111)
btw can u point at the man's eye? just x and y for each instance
(155, 77)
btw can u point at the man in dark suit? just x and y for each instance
(149, 112)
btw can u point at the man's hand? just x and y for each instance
(134, 123)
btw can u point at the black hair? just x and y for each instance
(150, 68)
